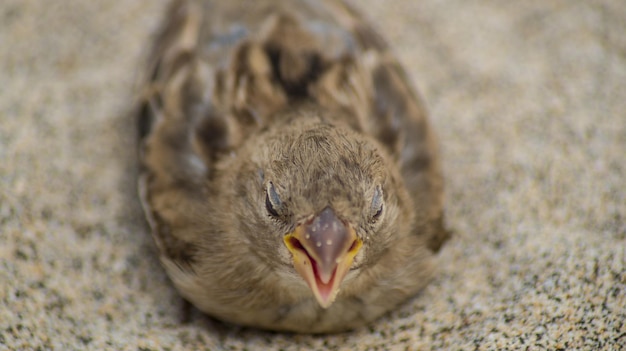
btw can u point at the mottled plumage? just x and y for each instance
(288, 171)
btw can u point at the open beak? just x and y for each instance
(323, 249)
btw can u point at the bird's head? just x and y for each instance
(322, 201)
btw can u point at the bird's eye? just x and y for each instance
(377, 204)
(272, 200)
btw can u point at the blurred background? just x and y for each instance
(529, 102)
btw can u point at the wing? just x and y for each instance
(221, 70)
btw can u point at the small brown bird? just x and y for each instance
(288, 171)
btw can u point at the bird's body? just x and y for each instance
(289, 173)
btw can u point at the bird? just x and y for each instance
(288, 170)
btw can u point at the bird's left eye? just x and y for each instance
(272, 200)
(377, 204)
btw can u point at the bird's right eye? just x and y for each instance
(272, 200)
(377, 204)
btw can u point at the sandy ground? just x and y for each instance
(528, 99)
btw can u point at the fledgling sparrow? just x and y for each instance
(288, 170)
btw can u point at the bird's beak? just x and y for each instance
(323, 249)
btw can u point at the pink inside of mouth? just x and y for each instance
(324, 288)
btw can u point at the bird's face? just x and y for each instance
(328, 198)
